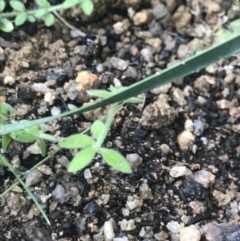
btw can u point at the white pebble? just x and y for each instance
(55, 111)
(190, 233)
(109, 234)
(174, 227)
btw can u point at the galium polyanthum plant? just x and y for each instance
(19, 15)
(89, 145)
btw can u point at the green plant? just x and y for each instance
(89, 145)
(44, 10)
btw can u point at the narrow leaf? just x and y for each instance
(97, 128)
(76, 141)
(17, 5)
(99, 93)
(82, 159)
(6, 25)
(2, 5)
(11, 168)
(134, 100)
(115, 160)
(49, 19)
(21, 18)
(87, 7)
(42, 146)
(5, 142)
(43, 3)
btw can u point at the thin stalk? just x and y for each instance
(110, 117)
(25, 174)
(11, 168)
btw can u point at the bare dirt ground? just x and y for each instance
(183, 143)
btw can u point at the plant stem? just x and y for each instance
(110, 117)
(48, 137)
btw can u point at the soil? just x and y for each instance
(183, 142)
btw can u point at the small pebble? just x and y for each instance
(134, 159)
(33, 178)
(147, 55)
(180, 171)
(55, 111)
(178, 97)
(184, 139)
(109, 234)
(198, 127)
(190, 233)
(205, 178)
(174, 227)
(119, 64)
(141, 18)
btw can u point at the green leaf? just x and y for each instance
(43, 3)
(17, 5)
(49, 19)
(87, 7)
(2, 5)
(6, 25)
(21, 18)
(82, 159)
(5, 142)
(115, 160)
(76, 141)
(134, 100)
(97, 128)
(28, 135)
(42, 146)
(99, 93)
(70, 3)
(31, 19)
(40, 12)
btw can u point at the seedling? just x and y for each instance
(44, 10)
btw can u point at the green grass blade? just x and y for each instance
(228, 46)
(34, 167)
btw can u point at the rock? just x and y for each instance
(212, 69)
(180, 171)
(40, 87)
(190, 233)
(197, 207)
(221, 232)
(229, 78)
(181, 18)
(22, 110)
(147, 54)
(174, 227)
(161, 89)
(133, 202)
(182, 51)
(141, 18)
(165, 149)
(146, 232)
(34, 148)
(157, 115)
(188, 125)
(121, 27)
(55, 111)
(211, 6)
(145, 192)
(134, 159)
(109, 234)
(156, 43)
(160, 11)
(9, 80)
(86, 80)
(198, 127)
(127, 225)
(194, 189)
(179, 97)
(161, 236)
(224, 198)
(205, 178)
(60, 194)
(131, 72)
(185, 139)
(44, 169)
(118, 63)
(33, 178)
